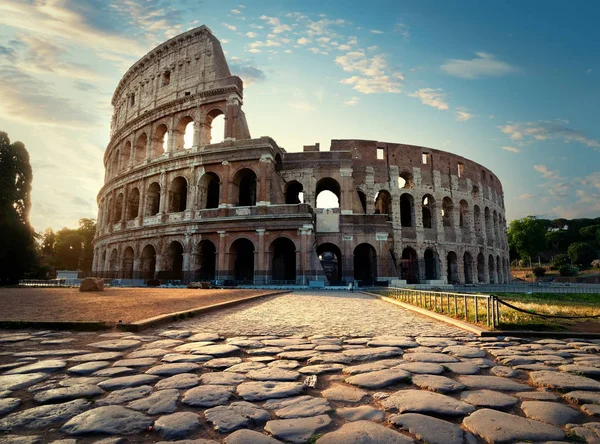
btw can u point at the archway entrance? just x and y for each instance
(480, 268)
(148, 262)
(330, 257)
(468, 266)
(127, 266)
(283, 263)
(206, 261)
(242, 253)
(410, 266)
(365, 264)
(175, 261)
(431, 265)
(452, 266)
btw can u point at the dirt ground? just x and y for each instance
(111, 305)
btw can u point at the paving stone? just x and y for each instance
(135, 362)
(379, 379)
(160, 402)
(364, 412)
(246, 436)
(10, 338)
(125, 395)
(5, 393)
(429, 357)
(163, 343)
(264, 358)
(435, 383)
(298, 430)
(428, 429)
(298, 407)
(246, 343)
(111, 419)
(177, 425)
(222, 378)
(584, 434)
(299, 347)
(364, 432)
(428, 368)
(372, 353)
(16, 382)
(235, 416)
(591, 409)
(491, 383)
(505, 372)
(508, 428)
(102, 356)
(258, 391)
(7, 405)
(373, 366)
(148, 353)
(81, 380)
(320, 369)
(580, 370)
(563, 381)
(222, 362)
(299, 355)
(329, 347)
(43, 416)
(205, 336)
(329, 358)
(537, 396)
(114, 371)
(68, 393)
(264, 351)
(88, 368)
(550, 412)
(47, 366)
(178, 357)
(343, 392)
(176, 334)
(435, 342)
(488, 398)
(192, 346)
(127, 381)
(245, 367)
(273, 374)
(180, 381)
(56, 352)
(462, 368)
(20, 439)
(116, 344)
(535, 367)
(172, 369)
(216, 350)
(421, 401)
(207, 396)
(464, 351)
(392, 341)
(284, 342)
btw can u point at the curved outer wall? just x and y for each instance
(231, 210)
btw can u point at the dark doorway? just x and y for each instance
(365, 265)
(410, 266)
(206, 261)
(242, 253)
(283, 264)
(330, 257)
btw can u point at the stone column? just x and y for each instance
(260, 271)
(222, 271)
(172, 136)
(225, 184)
(347, 260)
(346, 191)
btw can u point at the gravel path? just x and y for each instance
(327, 312)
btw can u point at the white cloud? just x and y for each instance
(525, 196)
(589, 70)
(462, 115)
(344, 47)
(545, 172)
(376, 31)
(484, 65)
(512, 149)
(373, 77)
(435, 98)
(403, 30)
(230, 27)
(558, 129)
(236, 11)
(288, 51)
(303, 41)
(251, 35)
(351, 102)
(278, 27)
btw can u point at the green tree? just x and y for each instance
(527, 237)
(68, 249)
(598, 236)
(87, 229)
(17, 246)
(589, 232)
(582, 253)
(558, 240)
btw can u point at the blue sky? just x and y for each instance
(513, 85)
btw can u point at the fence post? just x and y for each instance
(476, 309)
(488, 312)
(466, 311)
(455, 306)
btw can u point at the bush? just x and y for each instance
(582, 253)
(596, 263)
(539, 272)
(568, 270)
(560, 260)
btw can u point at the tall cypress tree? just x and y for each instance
(17, 248)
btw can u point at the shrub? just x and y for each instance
(560, 259)
(568, 270)
(596, 263)
(539, 272)
(582, 253)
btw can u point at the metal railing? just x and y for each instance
(474, 308)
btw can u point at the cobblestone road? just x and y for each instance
(327, 312)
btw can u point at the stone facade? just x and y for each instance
(245, 209)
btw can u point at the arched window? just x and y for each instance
(208, 191)
(488, 223)
(407, 210)
(133, 204)
(213, 130)
(160, 140)
(153, 199)
(478, 223)
(127, 264)
(242, 255)
(410, 266)
(126, 155)
(294, 193)
(468, 267)
(432, 265)
(405, 180)
(452, 266)
(383, 203)
(448, 212)
(463, 220)
(148, 262)
(174, 261)
(115, 163)
(428, 211)
(184, 133)
(244, 186)
(283, 260)
(362, 198)
(206, 261)
(140, 148)
(328, 193)
(481, 268)
(491, 270)
(119, 208)
(178, 195)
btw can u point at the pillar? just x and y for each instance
(260, 271)
(222, 271)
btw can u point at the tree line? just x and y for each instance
(23, 252)
(562, 242)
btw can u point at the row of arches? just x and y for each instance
(156, 141)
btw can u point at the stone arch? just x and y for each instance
(148, 262)
(432, 264)
(294, 193)
(330, 257)
(174, 261)
(468, 267)
(495, 225)
(405, 180)
(488, 223)
(362, 198)
(127, 263)
(481, 268)
(463, 216)
(244, 187)
(428, 211)
(209, 187)
(160, 140)
(206, 261)
(491, 269)
(119, 208)
(140, 148)
(452, 268)
(133, 203)
(126, 155)
(241, 255)
(407, 210)
(327, 185)
(447, 212)
(207, 135)
(475, 192)
(153, 199)
(283, 259)
(109, 213)
(410, 266)
(113, 262)
(478, 223)
(499, 270)
(102, 266)
(365, 264)
(178, 195)
(182, 132)
(115, 163)
(383, 203)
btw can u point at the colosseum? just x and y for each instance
(244, 211)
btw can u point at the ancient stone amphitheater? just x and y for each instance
(245, 210)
